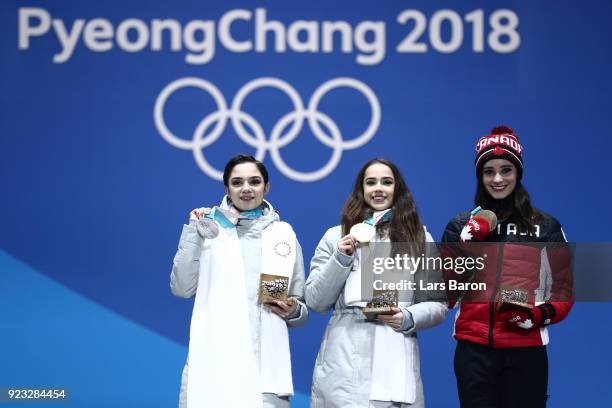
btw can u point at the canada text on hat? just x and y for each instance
(499, 144)
(506, 139)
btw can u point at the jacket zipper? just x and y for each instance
(500, 257)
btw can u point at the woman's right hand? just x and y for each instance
(197, 213)
(347, 244)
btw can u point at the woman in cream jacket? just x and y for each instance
(365, 363)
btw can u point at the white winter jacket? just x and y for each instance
(344, 364)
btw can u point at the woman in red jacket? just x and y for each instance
(501, 359)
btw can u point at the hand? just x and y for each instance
(197, 213)
(477, 229)
(347, 244)
(283, 308)
(394, 321)
(521, 320)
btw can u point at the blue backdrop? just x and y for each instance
(116, 118)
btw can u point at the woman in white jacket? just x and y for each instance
(364, 363)
(238, 349)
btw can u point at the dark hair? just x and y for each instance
(405, 225)
(517, 204)
(243, 158)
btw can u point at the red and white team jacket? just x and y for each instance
(539, 263)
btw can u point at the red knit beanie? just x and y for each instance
(502, 143)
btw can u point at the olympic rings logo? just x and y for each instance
(211, 127)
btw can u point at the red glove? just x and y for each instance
(519, 319)
(477, 228)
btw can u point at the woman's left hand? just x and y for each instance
(395, 320)
(283, 308)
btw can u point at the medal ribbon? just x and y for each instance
(384, 216)
(228, 219)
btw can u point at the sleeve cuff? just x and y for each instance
(297, 313)
(408, 322)
(190, 234)
(548, 313)
(343, 259)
